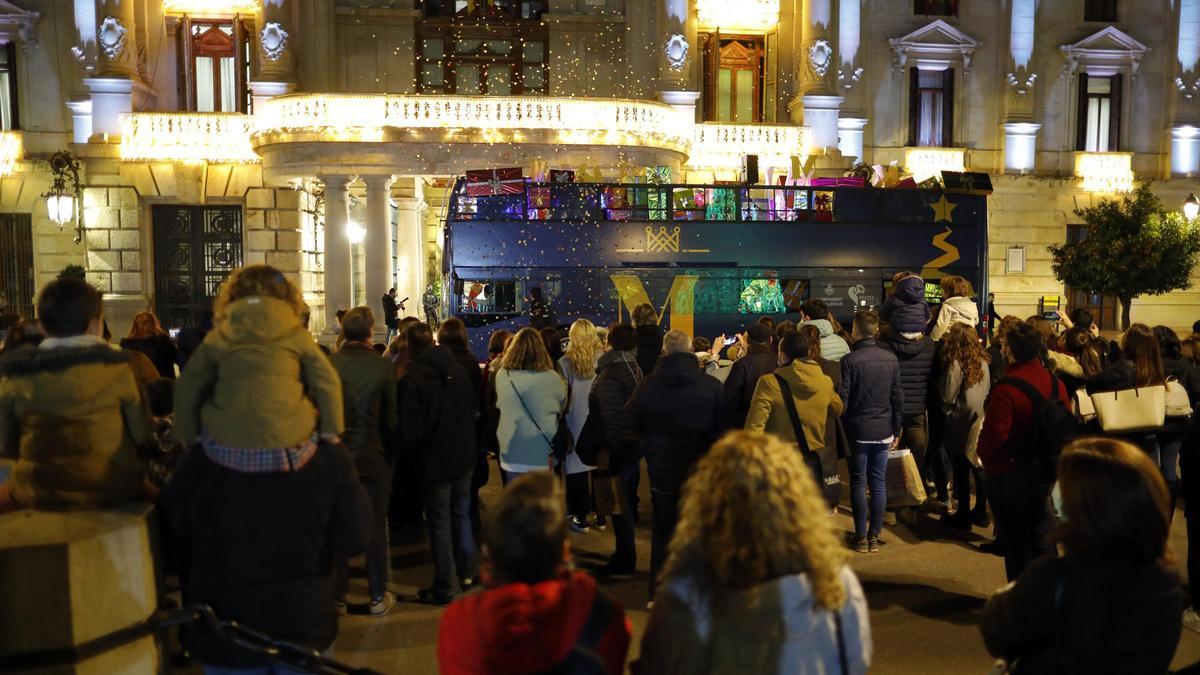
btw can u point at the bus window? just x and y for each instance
(772, 296)
(488, 296)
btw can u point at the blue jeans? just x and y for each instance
(448, 509)
(1168, 456)
(868, 464)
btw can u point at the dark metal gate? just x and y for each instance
(195, 248)
(16, 264)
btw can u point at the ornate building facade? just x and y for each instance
(321, 136)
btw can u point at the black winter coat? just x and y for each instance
(649, 340)
(369, 400)
(1113, 616)
(159, 348)
(917, 364)
(438, 414)
(617, 376)
(262, 547)
(872, 392)
(742, 379)
(1184, 372)
(678, 413)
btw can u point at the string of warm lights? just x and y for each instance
(211, 137)
(924, 163)
(11, 150)
(1105, 171)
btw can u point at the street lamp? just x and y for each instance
(355, 232)
(1191, 207)
(61, 199)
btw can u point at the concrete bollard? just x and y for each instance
(72, 583)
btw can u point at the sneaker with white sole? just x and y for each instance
(1191, 620)
(578, 525)
(383, 605)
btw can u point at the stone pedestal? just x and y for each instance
(111, 97)
(850, 137)
(1020, 146)
(821, 117)
(1185, 150)
(81, 120)
(71, 577)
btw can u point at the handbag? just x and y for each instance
(563, 443)
(812, 459)
(1084, 408)
(903, 480)
(1129, 411)
(1178, 403)
(591, 437)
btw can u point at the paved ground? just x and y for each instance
(924, 588)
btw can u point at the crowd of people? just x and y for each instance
(276, 460)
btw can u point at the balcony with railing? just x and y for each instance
(1105, 171)
(338, 121)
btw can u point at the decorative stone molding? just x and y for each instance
(820, 57)
(849, 75)
(111, 36)
(1104, 53)
(936, 45)
(17, 23)
(1021, 82)
(273, 39)
(676, 50)
(1189, 87)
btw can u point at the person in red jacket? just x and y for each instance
(1022, 521)
(535, 614)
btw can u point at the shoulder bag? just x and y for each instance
(1127, 411)
(563, 443)
(812, 459)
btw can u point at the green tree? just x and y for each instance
(1133, 247)
(72, 272)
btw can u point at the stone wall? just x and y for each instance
(53, 248)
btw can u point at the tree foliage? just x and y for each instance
(1133, 247)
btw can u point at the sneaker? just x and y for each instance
(342, 608)
(873, 544)
(601, 523)
(1191, 620)
(428, 597)
(861, 545)
(466, 583)
(383, 605)
(578, 525)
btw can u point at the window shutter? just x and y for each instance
(240, 36)
(186, 79)
(1114, 115)
(948, 108)
(1081, 121)
(914, 105)
(13, 101)
(712, 63)
(770, 77)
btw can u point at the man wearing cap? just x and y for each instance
(758, 360)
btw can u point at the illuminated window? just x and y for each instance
(498, 48)
(931, 108)
(8, 88)
(487, 296)
(214, 58)
(936, 7)
(1100, 10)
(1099, 119)
(733, 77)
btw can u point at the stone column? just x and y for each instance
(815, 96)
(1185, 136)
(380, 276)
(338, 270)
(410, 251)
(850, 137)
(1020, 129)
(116, 65)
(276, 51)
(677, 56)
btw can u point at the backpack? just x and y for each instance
(1051, 427)
(583, 658)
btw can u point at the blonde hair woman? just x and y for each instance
(530, 395)
(757, 580)
(578, 365)
(147, 336)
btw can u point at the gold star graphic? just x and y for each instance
(942, 210)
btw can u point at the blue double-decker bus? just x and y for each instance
(709, 258)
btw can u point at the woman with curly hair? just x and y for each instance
(964, 390)
(756, 581)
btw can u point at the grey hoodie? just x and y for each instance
(833, 348)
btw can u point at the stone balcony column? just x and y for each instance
(410, 251)
(112, 86)
(678, 55)
(816, 97)
(338, 269)
(276, 51)
(380, 275)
